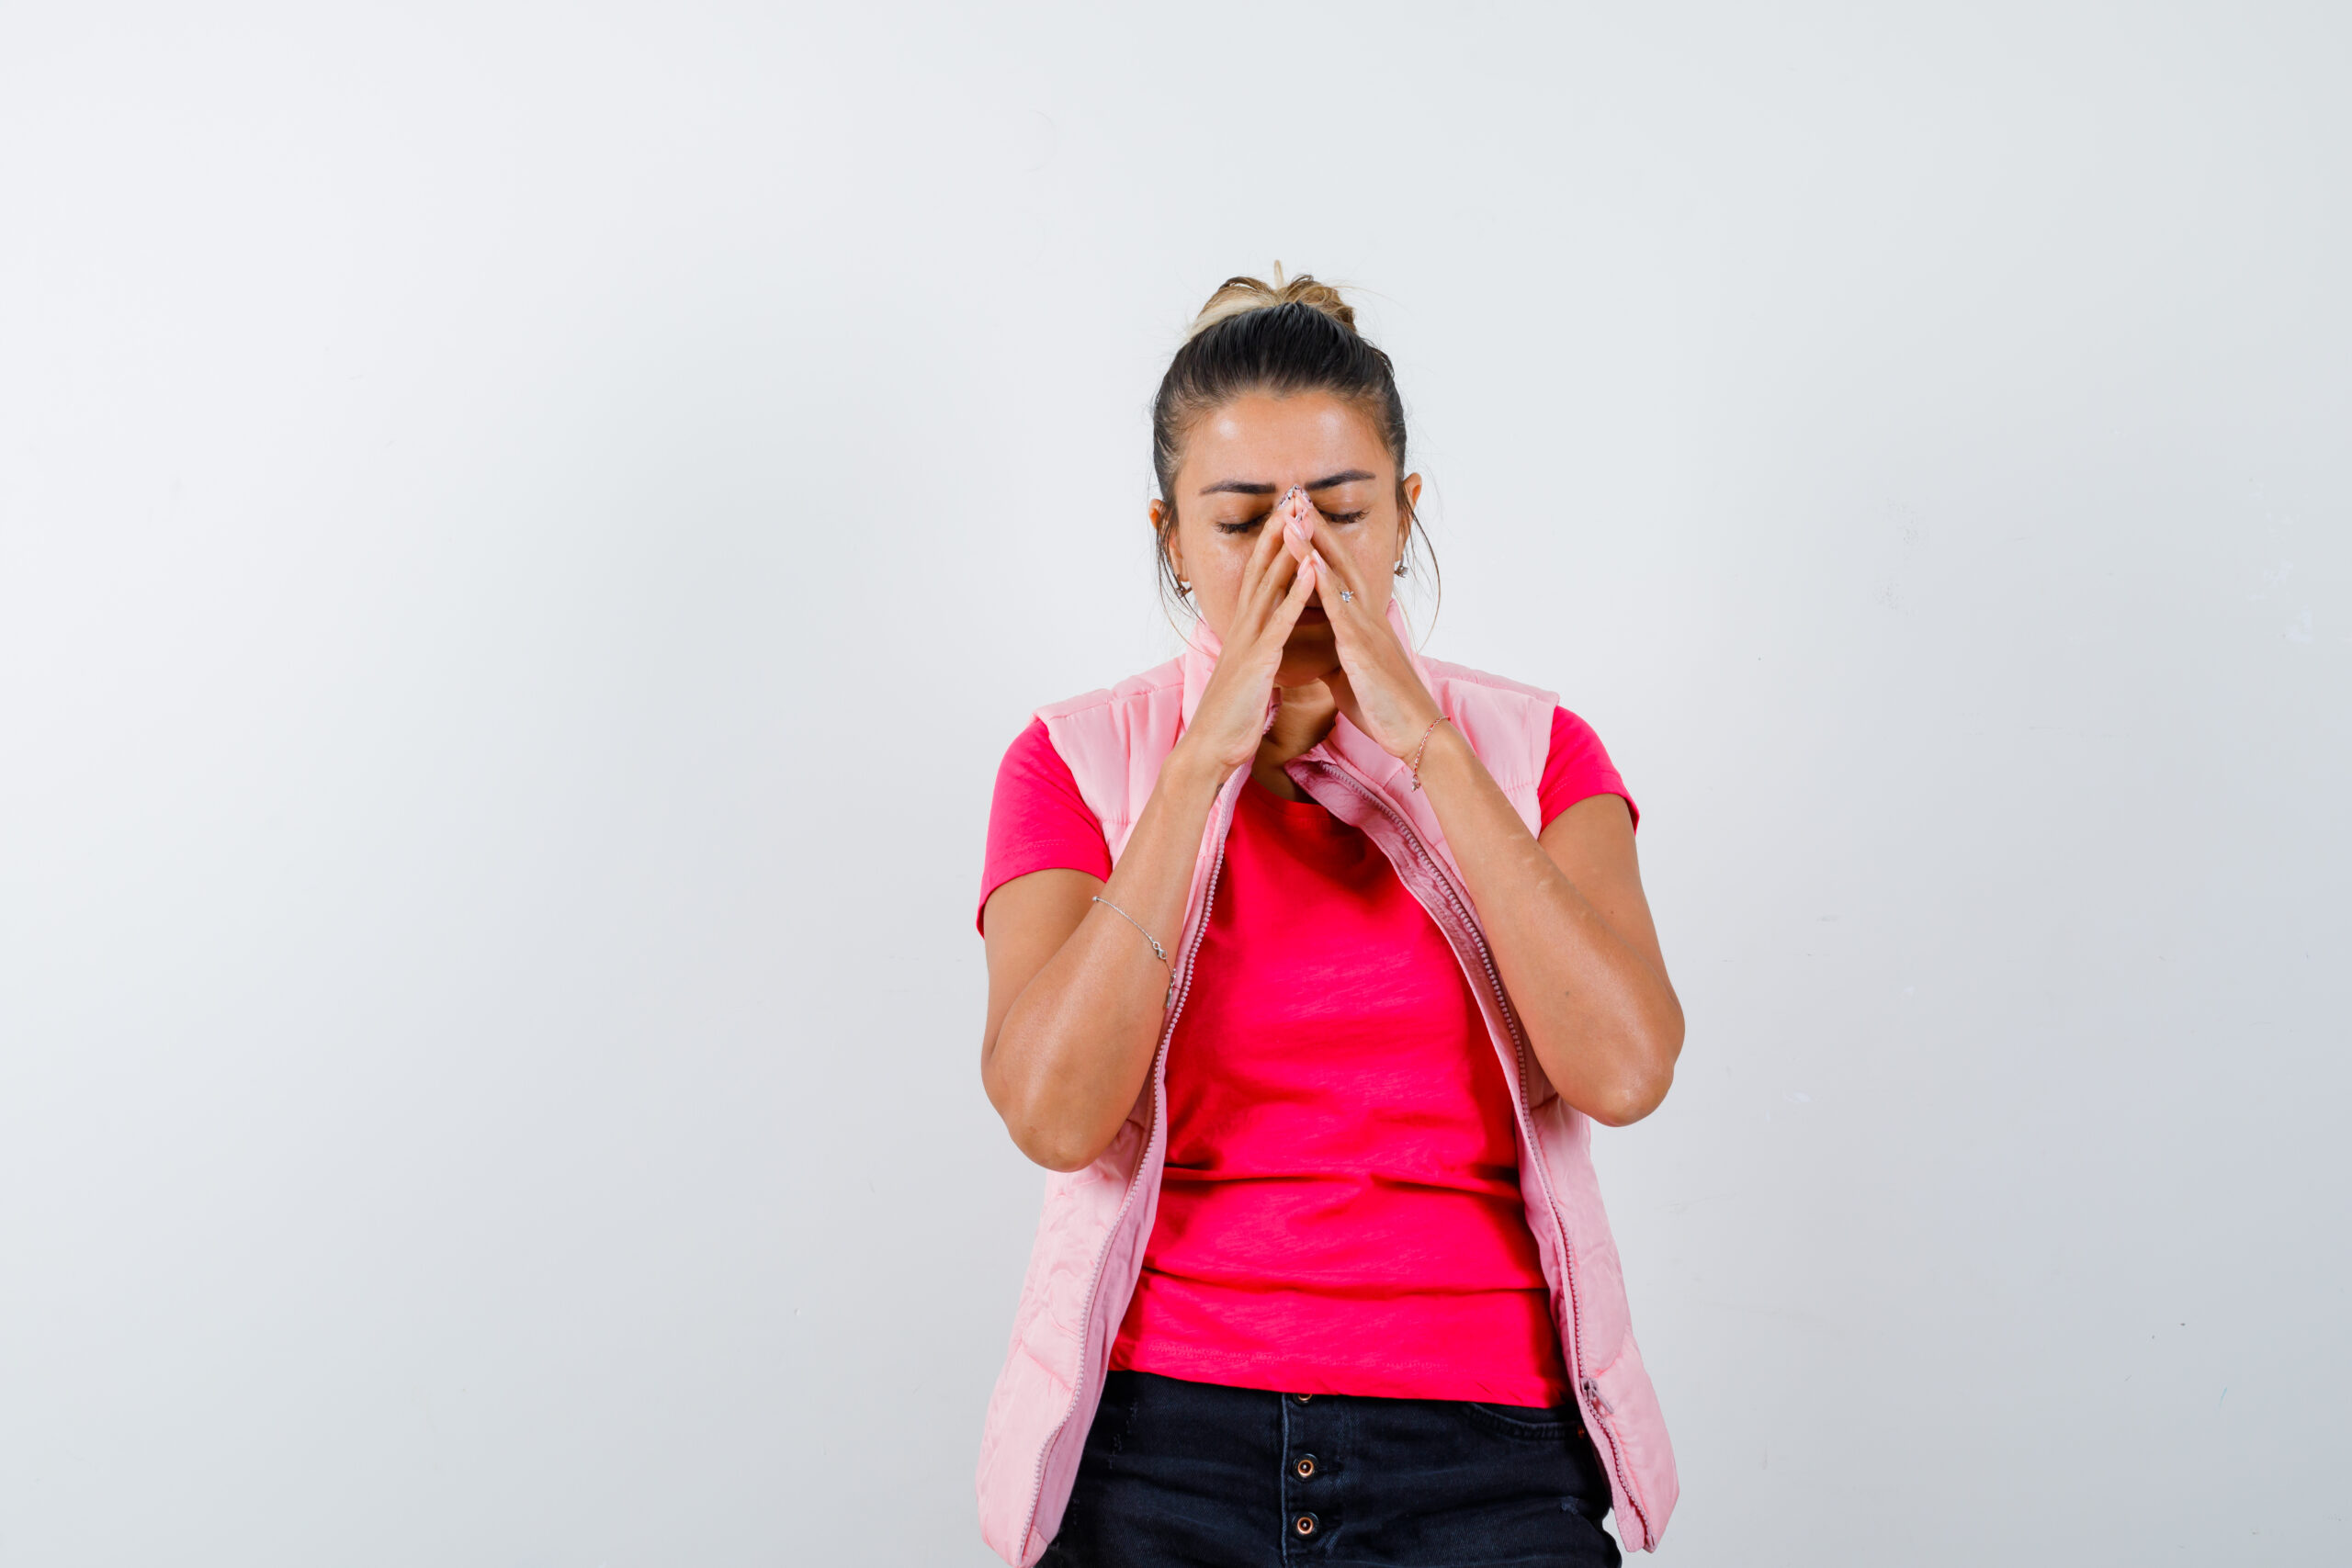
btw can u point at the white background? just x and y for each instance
(524, 530)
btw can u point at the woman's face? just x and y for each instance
(1239, 459)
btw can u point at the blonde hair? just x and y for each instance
(1240, 296)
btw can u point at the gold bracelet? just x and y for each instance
(1423, 747)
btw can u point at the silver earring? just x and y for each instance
(1400, 567)
(1183, 586)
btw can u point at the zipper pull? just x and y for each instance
(1592, 1393)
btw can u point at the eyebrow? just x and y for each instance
(1247, 487)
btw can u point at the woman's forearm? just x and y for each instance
(1602, 1019)
(1074, 1050)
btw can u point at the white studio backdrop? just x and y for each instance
(524, 530)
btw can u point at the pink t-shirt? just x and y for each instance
(1340, 1211)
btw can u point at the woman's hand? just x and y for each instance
(1230, 718)
(1077, 999)
(1375, 684)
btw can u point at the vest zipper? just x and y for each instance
(1159, 1058)
(1459, 901)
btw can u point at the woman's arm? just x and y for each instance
(1571, 933)
(1075, 996)
(1564, 916)
(1076, 999)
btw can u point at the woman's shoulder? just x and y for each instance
(1577, 766)
(1143, 686)
(1507, 722)
(1562, 726)
(1099, 736)
(1571, 763)
(1443, 674)
(1087, 731)
(1037, 819)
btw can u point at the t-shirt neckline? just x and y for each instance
(1307, 810)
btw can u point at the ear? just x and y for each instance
(1411, 486)
(1160, 517)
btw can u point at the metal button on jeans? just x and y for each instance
(1306, 1466)
(1302, 1398)
(1304, 1524)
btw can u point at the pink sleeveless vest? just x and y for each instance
(1090, 1237)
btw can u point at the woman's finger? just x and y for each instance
(1280, 573)
(1337, 566)
(1257, 591)
(1343, 596)
(1285, 615)
(1298, 525)
(1259, 596)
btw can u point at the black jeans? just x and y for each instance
(1189, 1473)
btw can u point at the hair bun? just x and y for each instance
(1240, 296)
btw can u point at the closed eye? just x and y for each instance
(1251, 524)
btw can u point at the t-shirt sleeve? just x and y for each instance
(1037, 820)
(1577, 768)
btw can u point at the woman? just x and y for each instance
(1311, 961)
